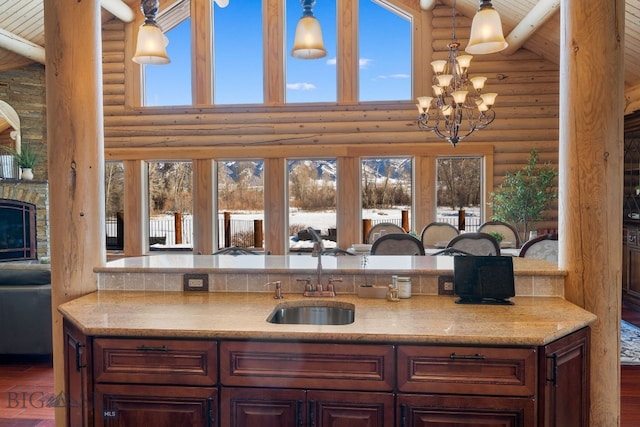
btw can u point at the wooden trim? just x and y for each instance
(201, 52)
(205, 201)
(275, 207)
(136, 212)
(347, 60)
(274, 55)
(348, 201)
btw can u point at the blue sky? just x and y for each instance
(384, 50)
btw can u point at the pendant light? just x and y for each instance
(151, 46)
(308, 42)
(486, 31)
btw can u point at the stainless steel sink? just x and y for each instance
(310, 313)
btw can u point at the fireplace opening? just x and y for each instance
(17, 230)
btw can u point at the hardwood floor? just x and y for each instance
(26, 389)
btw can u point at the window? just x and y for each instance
(114, 204)
(157, 91)
(241, 203)
(386, 191)
(311, 80)
(459, 189)
(385, 55)
(237, 53)
(170, 205)
(312, 202)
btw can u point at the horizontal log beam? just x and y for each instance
(21, 46)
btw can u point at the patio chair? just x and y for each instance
(397, 244)
(476, 244)
(438, 234)
(510, 239)
(541, 247)
(382, 229)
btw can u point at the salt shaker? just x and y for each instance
(404, 287)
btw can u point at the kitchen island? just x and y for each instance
(211, 358)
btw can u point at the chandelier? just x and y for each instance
(458, 107)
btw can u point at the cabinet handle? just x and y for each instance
(79, 346)
(299, 413)
(554, 370)
(212, 420)
(403, 415)
(145, 348)
(312, 408)
(476, 356)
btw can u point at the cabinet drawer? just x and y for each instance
(155, 361)
(467, 370)
(307, 365)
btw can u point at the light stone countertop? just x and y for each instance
(377, 264)
(531, 321)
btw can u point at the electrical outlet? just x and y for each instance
(195, 282)
(445, 285)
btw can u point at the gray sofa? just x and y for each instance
(25, 309)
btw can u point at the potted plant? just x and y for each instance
(26, 159)
(497, 235)
(524, 195)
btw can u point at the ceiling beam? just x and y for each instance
(119, 9)
(536, 17)
(21, 46)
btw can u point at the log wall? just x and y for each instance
(526, 110)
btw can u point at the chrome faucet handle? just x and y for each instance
(277, 290)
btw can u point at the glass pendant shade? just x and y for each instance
(308, 42)
(151, 46)
(486, 32)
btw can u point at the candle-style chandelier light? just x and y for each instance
(459, 107)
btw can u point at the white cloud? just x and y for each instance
(301, 86)
(331, 61)
(364, 62)
(393, 76)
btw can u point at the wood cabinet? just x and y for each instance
(564, 381)
(242, 407)
(77, 376)
(307, 371)
(170, 382)
(631, 263)
(450, 385)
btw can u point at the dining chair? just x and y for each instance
(510, 237)
(476, 244)
(382, 229)
(397, 244)
(541, 247)
(437, 234)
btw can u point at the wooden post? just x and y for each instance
(591, 184)
(461, 219)
(258, 236)
(405, 220)
(75, 138)
(366, 227)
(177, 226)
(227, 229)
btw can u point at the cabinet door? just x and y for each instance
(243, 407)
(154, 406)
(564, 381)
(77, 377)
(350, 409)
(440, 410)
(634, 271)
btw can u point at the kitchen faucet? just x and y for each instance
(318, 290)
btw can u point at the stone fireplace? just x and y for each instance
(24, 199)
